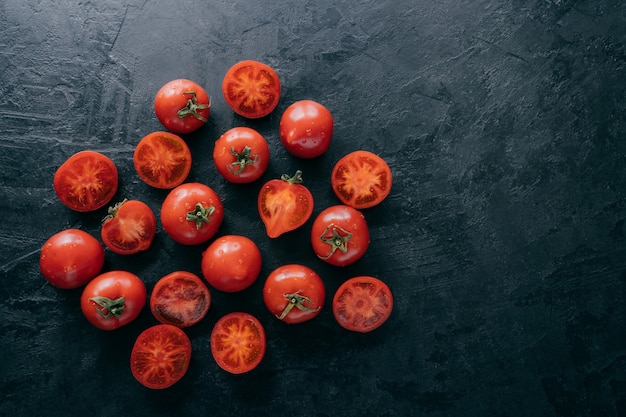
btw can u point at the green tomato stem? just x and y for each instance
(296, 300)
(243, 159)
(192, 107)
(200, 215)
(108, 308)
(296, 179)
(336, 241)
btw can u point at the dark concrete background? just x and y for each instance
(504, 123)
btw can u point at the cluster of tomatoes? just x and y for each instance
(191, 214)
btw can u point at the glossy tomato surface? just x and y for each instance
(238, 342)
(71, 258)
(285, 204)
(192, 213)
(180, 299)
(362, 304)
(294, 293)
(86, 181)
(251, 89)
(361, 179)
(340, 235)
(160, 356)
(306, 129)
(129, 228)
(241, 155)
(231, 263)
(113, 299)
(162, 160)
(182, 106)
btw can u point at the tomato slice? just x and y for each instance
(238, 342)
(180, 299)
(361, 179)
(129, 228)
(160, 356)
(251, 89)
(86, 181)
(362, 304)
(162, 160)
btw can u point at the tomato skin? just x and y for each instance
(294, 293)
(238, 342)
(362, 304)
(231, 263)
(182, 106)
(241, 155)
(361, 179)
(162, 160)
(129, 228)
(306, 129)
(86, 181)
(183, 221)
(125, 289)
(251, 89)
(180, 299)
(71, 258)
(160, 356)
(340, 235)
(284, 205)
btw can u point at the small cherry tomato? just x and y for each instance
(306, 129)
(180, 299)
(160, 356)
(241, 155)
(232, 263)
(340, 235)
(238, 342)
(294, 293)
(192, 213)
(86, 181)
(71, 258)
(113, 299)
(251, 89)
(182, 106)
(284, 204)
(361, 179)
(129, 228)
(362, 304)
(162, 160)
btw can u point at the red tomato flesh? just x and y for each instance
(180, 299)
(362, 304)
(238, 342)
(129, 228)
(361, 179)
(251, 89)
(162, 160)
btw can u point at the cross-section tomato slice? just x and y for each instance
(362, 304)
(86, 181)
(361, 179)
(129, 228)
(160, 356)
(162, 160)
(251, 89)
(238, 342)
(180, 299)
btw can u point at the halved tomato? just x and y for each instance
(362, 304)
(251, 89)
(162, 160)
(238, 342)
(180, 299)
(129, 228)
(361, 179)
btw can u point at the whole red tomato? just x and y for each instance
(232, 263)
(241, 155)
(192, 213)
(113, 299)
(71, 258)
(294, 293)
(129, 228)
(182, 106)
(306, 129)
(340, 235)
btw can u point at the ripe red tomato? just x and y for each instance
(340, 235)
(113, 299)
(180, 299)
(86, 181)
(294, 293)
(232, 263)
(182, 106)
(162, 160)
(238, 342)
(251, 89)
(284, 204)
(71, 258)
(160, 356)
(241, 155)
(129, 228)
(192, 213)
(362, 304)
(306, 129)
(361, 179)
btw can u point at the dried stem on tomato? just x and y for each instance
(296, 300)
(336, 241)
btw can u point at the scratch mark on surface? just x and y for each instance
(9, 265)
(119, 29)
